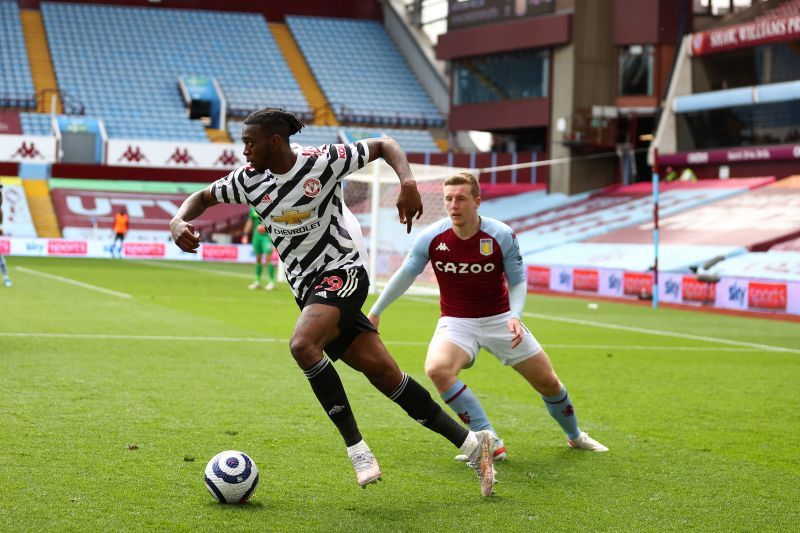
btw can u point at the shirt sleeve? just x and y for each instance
(345, 159)
(228, 189)
(512, 257)
(419, 254)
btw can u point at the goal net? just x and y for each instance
(371, 195)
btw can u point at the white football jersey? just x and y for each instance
(303, 209)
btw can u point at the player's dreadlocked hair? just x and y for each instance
(272, 120)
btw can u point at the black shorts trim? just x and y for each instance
(345, 289)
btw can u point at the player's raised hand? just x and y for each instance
(515, 327)
(409, 203)
(184, 235)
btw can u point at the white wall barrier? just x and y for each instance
(237, 253)
(739, 294)
(132, 152)
(28, 149)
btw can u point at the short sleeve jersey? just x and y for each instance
(302, 209)
(472, 272)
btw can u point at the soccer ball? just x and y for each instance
(231, 477)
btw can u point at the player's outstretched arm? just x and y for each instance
(409, 203)
(397, 286)
(183, 233)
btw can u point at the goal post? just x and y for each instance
(371, 195)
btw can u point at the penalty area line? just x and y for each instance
(70, 281)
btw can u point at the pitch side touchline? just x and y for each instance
(74, 282)
(634, 329)
(268, 340)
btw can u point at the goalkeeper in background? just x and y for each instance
(256, 233)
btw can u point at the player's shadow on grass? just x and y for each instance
(249, 507)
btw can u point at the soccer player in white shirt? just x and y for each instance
(298, 195)
(473, 258)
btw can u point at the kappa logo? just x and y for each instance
(311, 187)
(322, 294)
(133, 154)
(28, 151)
(227, 158)
(336, 409)
(181, 157)
(443, 247)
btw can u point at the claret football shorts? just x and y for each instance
(490, 333)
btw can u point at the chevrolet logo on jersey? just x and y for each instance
(291, 216)
(486, 246)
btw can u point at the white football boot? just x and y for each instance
(364, 463)
(585, 442)
(481, 460)
(253, 286)
(500, 452)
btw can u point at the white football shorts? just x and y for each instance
(490, 333)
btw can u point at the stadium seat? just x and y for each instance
(134, 57)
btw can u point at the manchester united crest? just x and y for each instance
(486, 247)
(311, 187)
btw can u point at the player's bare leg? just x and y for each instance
(538, 371)
(368, 355)
(442, 365)
(317, 327)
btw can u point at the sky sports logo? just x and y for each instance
(767, 295)
(67, 247)
(145, 249)
(220, 252)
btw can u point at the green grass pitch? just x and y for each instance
(119, 380)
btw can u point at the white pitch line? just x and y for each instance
(74, 282)
(196, 269)
(634, 329)
(272, 340)
(689, 336)
(142, 337)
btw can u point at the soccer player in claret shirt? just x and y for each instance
(473, 257)
(297, 193)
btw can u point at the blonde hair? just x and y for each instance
(465, 178)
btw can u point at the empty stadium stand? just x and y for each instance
(617, 208)
(16, 84)
(134, 56)
(410, 140)
(35, 123)
(372, 87)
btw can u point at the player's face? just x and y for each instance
(461, 206)
(260, 149)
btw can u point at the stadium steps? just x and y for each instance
(41, 207)
(323, 114)
(44, 78)
(218, 136)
